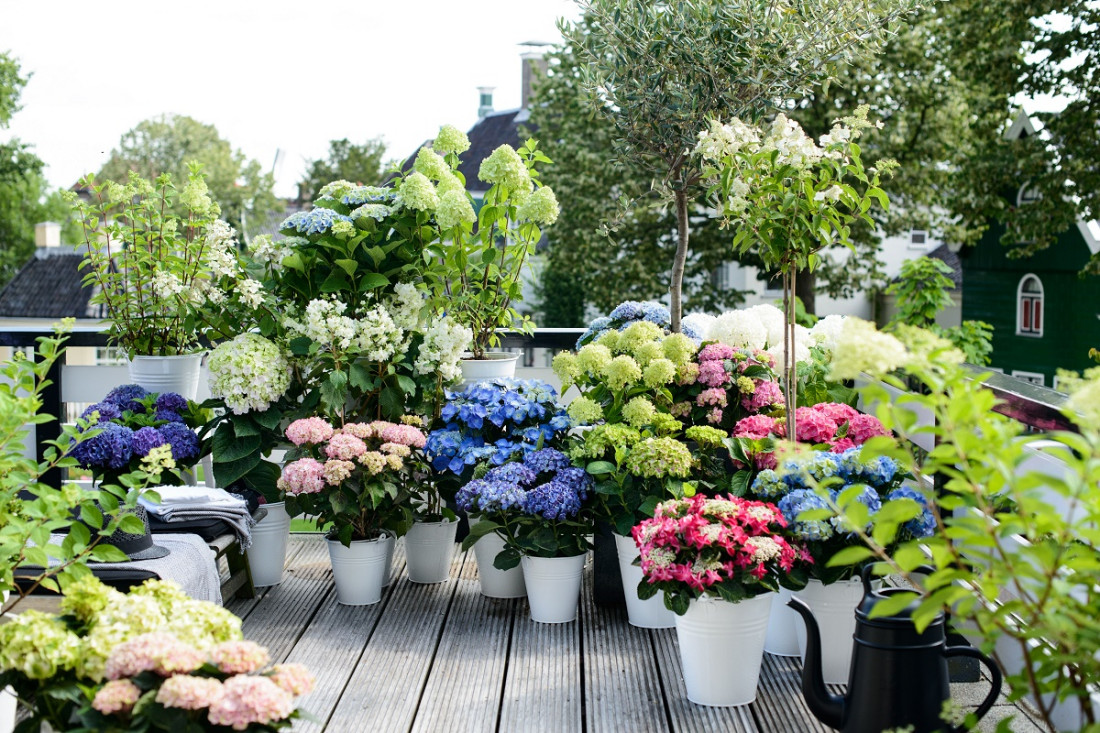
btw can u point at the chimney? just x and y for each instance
(485, 106)
(533, 64)
(47, 238)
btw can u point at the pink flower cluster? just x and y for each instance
(303, 476)
(156, 652)
(309, 430)
(294, 678)
(816, 425)
(345, 447)
(239, 657)
(766, 395)
(248, 700)
(116, 696)
(190, 693)
(699, 542)
(409, 435)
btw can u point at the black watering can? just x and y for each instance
(898, 677)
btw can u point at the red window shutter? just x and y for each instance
(1025, 319)
(1037, 321)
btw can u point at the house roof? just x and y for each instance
(47, 287)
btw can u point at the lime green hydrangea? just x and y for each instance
(451, 140)
(343, 229)
(603, 438)
(417, 192)
(666, 424)
(37, 645)
(639, 412)
(540, 207)
(638, 333)
(336, 190)
(86, 598)
(594, 359)
(658, 373)
(745, 385)
(449, 182)
(678, 348)
(567, 369)
(506, 168)
(705, 435)
(454, 208)
(659, 458)
(585, 411)
(622, 372)
(610, 339)
(647, 352)
(431, 164)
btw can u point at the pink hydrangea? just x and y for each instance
(766, 394)
(761, 357)
(345, 447)
(238, 657)
(360, 430)
(712, 374)
(117, 696)
(309, 430)
(156, 652)
(756, 426)
(714, 417)
(190, 693)
(839, 446)
(712, 396)
(812, 426)
(336, 472)
(862, 428)
(303, 476)
(838, 412)
(715, 352)
(249, 700)
(294, 678)
(404, 434)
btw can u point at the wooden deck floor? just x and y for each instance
(445, 658)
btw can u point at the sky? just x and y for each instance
(271, 76)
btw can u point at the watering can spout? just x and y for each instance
(826, 707)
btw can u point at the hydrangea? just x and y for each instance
(156, 652)
(125, 397)
(566, 368)
(111, 450)
(444, 342)
(314, 221)
(860, 347)
(248, 700)
(362, 195)
(451, 140)
(738, 328)
(378, 212)
(417, 192)
(622, 372)
(431, 164)
(37, 645)
(594, 359)
(506, 168)
(294, 678)
(658, 373)
(265, 250)
(249, 373)
(639, 412)
(609, 437)
(454, 208)
(540, 207)
(802, 500)
(239, 657)
(546, 460)
(188, 692)
(826, 331)
(678, 348)
(705, 435)
(490, 495)
(585, 411)
(659, 458)
(309, 430)
(103, 411)
(118, 696)
(561, 497)
(925, 524)
(303, 476)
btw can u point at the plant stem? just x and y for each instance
(676, 286)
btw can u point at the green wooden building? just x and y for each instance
(1044, 315)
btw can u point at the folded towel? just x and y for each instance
(172, 495)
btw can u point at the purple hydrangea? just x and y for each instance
(110, 450)
(184, 442)
(146, 439)
(516, 473)
(170, 401)
(107, 411)
(559, 498)
(488, 496)
(126, 397)
(168, 416)
(547, 460)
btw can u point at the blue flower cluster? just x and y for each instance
(366, 195)
(545, 484)
(494, 421)
(118, 443)
(629, 312)
(922, 526)
(314, 221)
(803, 500)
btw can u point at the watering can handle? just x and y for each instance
(865, 575)
(994, 678)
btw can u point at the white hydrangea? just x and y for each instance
(221, 260)
(444, 342)
(802, 343)
(795, 147)
(404, 306)
(265, 250)
(721, 141)
(377, 337)
(167, 285)
(771, 318)
(699, 322)
(251, 292)
(325, 324)
(738, 328)
(220, 235)
(249, 373)
(860, 347)
(826, 331)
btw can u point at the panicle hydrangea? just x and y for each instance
(585, 411)
(250, 700)
(566, 368)
(639, 412)
(167, 285)
(309, 430)
(266, 251)
(506, 168)
(454, 208)
(377, 212)
(451, 140)
(659, 458)
(187, 692)
(325, 324)
(720, 141)
(417, 192)
(378, 338)
(118, 696)
(541, 207)
(622, 372)
(431, 164)
(794, 146)
(860, 347)
(646, 352)
(444, 342)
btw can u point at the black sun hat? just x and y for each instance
(137, 546)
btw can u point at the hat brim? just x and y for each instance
(153, 552)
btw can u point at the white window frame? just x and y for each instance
(1033, 377)
(920, 245)
(1032, 331)
(1021, 201)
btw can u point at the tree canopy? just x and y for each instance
(167, 144)
(359, 163)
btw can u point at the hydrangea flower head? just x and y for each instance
(315, 221)
(622, 372)
(249, 373)
(126, 396)
(431, 164)
(541, 207)
(506, 168)
(417, 192)
(451, 140)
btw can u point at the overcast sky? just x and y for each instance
(270, 75)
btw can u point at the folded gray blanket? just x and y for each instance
(238, 518)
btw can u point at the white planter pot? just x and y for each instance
(267, 556)
(359, 570)
(553, 587)
(429, 547)
(387, 579)
(8, 707)
(721, 648)
(179, 374)
(834, 608)
(782, 638)
(495, 365)
(496, 583)
(650, 613)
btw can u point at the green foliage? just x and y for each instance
(1017, 555)
(168, 144)
(359, 163)
(11, 86)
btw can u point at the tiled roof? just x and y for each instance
(47, 287)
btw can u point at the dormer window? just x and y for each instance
(1029, 306)
(1027, 195)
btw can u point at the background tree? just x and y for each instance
(166, 144)
(363, 164)
(658, 71)
(25, 196)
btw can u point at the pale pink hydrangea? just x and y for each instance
(404, 434)
(304, 476)
(766, 394)
(360, 430)
(714, 417)
(249, 700)
(344, 447)
(681, 409)
(117, 696)
(862, 428)
(336, 472)
(294, 678)
(712, 396)
(688, 374)
(155, 652)
(309, 430)
(396, 449)
(189, 693)
(238, 657)
(812, 426)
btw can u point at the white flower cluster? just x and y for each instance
(265, 250)
(404, 306)
(325, 324)
(378, 337)
(249, 373)
(827, 330)
(860, 347)
(795, 147)
(250, 292)
(722, 141)
(758, 327)
(444, 342)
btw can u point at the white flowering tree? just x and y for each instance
(658, 70)
(788, 198)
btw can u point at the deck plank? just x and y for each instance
(622, 686)
(384, 692)
(244, 606)
(779, 704)
(463, 691)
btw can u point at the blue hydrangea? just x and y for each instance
(630, 310)
(692, 332)
(656, 313)
(547, 460)
(171, 402)
(367, 194)
(768, 485)
(314, 221)
(870, 499)
(167, 416)
(107, 411)
(146, 439)
(516, 473)
(184, 441)
(110, 450)
(561, 497)
(922, 526)
(485, 495)
(126, 397)
(799, 501)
